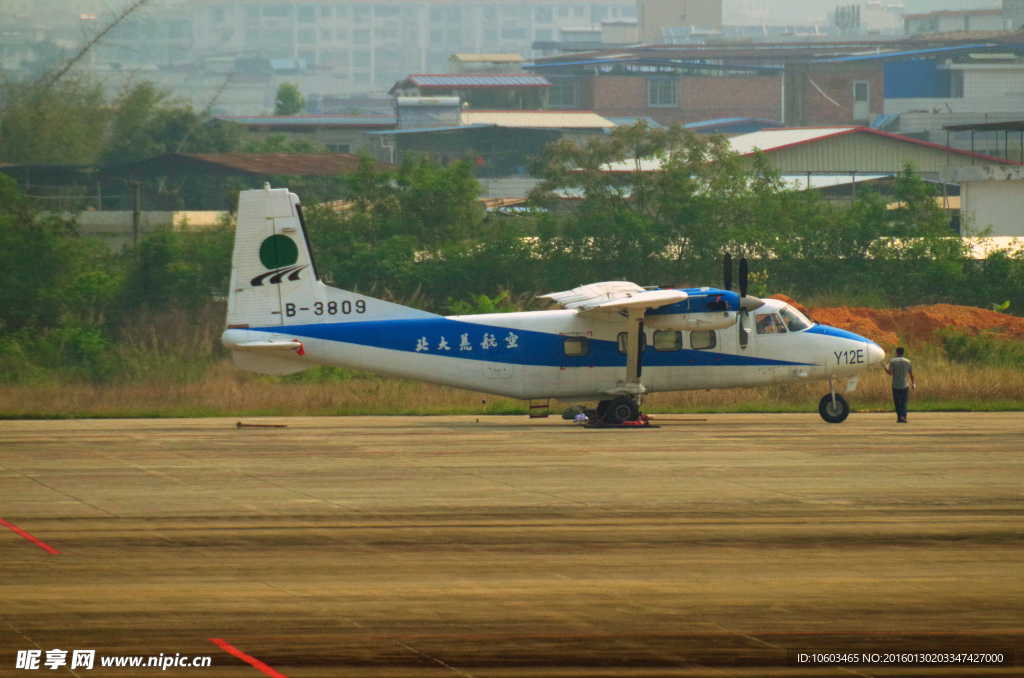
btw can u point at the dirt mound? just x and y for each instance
(915, 324)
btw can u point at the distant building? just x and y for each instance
(369, 45)
(336, 133)
(418, 113)
(852, 150)
(948, 21)
(991, 197)
(485, 64)
(1013, 13)
(210, 181)
(710, 35)
(497, 143)
(656, 15)
(666, 84)
(844, 150)
(810, 83)
(514, 91)
(733, 126)
(973, 84)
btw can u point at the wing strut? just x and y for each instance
(634, 364)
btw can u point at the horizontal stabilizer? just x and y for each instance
(273, 345)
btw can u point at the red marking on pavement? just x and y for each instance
(227, 647)
(26, 535)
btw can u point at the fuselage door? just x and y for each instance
(575, 350)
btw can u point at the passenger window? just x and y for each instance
(702, 340)
(622, 342)
(668, 340)
(769, 323)
(576, 347)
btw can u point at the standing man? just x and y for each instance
(900, 369)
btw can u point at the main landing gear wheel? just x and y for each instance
(621, 409)
(834, 412)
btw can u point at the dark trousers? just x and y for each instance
(900, 396)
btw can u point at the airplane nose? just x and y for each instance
(876, 355)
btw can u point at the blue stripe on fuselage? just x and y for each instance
(836, 332)
(531, 348)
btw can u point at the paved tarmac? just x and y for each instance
(503, 546)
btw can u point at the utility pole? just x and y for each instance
(136, 209)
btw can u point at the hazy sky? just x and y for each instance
(807, 11)
(735, 12)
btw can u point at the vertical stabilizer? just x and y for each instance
(271, 257)
(274, 281)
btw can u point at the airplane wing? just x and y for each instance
(651, 299)
(625, 298)
(613, 297)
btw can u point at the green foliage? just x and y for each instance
(146, 123)
(394, 222)
(289, 100)
(279, 143)
(639, 224)
(183, 268)
(758, 284)
(66, 299)
(71, 122)
(51, 271)
(480, 304)
(984, 349)
(71, 309)
(65, 123)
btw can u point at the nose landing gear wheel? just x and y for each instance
(834, 412)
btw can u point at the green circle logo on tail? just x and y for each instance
(278, 251)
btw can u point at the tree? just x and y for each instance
(279, 143)
(289, 100)
(51, 272)
(64, 123)
(665, 211)
(146, 122)
(178, 269)
(71, 122)
(395, 217)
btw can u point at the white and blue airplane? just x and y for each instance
(611, 343)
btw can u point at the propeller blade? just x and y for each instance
(728, 272)
(743, 277)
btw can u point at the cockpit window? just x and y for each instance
(769, 323)
(794, 319)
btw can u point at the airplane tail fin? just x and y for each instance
(274, 281)
(271, 260)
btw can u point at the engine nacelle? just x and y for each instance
(692, 322)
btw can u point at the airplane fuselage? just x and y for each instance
(612, 342)
(536, 355)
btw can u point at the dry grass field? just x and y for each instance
(227, 391)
